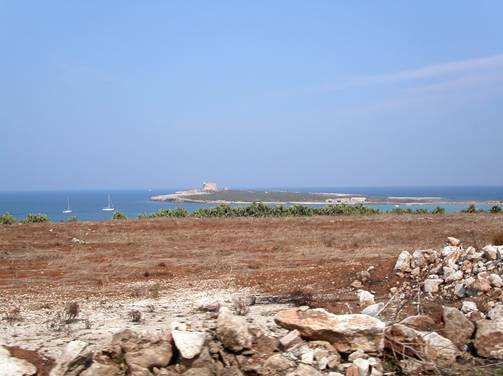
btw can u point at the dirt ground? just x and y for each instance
(85, 260)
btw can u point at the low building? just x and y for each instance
(210, 187)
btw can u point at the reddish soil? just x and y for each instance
(274, 256)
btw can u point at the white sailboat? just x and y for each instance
(67, 210)
(109, 207)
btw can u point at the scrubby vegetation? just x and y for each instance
(471, 209)
(498, 238)
(7, 219)
(119, 216)
(259, 209)
(36, 218)
(496, 209)
(72, 218)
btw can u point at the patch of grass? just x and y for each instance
(498, 238)
(36, 218)
(119, 216)
(7, 219)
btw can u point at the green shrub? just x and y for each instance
(470, 209)
(118, 216)
(401, 211)
(422, 211)
(496, 209)
(36, 218)
(438, 210)
(7, 219)
(72, 218)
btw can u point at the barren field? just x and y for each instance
(71, 261)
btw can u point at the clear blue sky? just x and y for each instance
(125, 94)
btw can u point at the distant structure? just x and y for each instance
(210, 187)
(347, 200)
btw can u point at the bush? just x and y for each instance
(118, 216)
(470, 209)
(401, 211)
(498, 238)
(72, 218)
(7, 219)
(438, 210)
(496, 209)
(36, 218)
(421, 211)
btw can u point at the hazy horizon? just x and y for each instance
(150, 94)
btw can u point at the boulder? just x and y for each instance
(346, 333)
(490, 252)
(440, 350)
(403, 263)
(189, 344)
(75, 358)
(365, 298)
(143, 352)
(496, 312)
(489, 338)
(373, 309)
(363, 366)
(431, 285)
(291, 339)
(453, 241)
(457, 327)
(305, 370)
(11, 366)
(495, 280)
(233, 331)
(278, 365)
(420, 322)
(468, 306)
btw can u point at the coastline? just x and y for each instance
(187, 196)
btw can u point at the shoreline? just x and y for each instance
(182, 196)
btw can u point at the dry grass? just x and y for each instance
(275, 255)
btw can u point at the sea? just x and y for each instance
(86, 205)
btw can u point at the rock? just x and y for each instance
(305, 370)
(233, 331)
(482, 282)
(490, 252)
(357, 354)
(307, 357)
(210, 307)
(189, 344)
(345, 332)
(11, 366)
(455, 275)
(290, 340)
(420, 322)
(363, 366)
(404, 340)
(447, 250)
(365, 298)
(278, 365)
(356, 284)
(353, 370)
(495, 280)
(73, 360)
(373, 309)
(403, 263)
(416, 367)
(453, 241)
(459, 290)
(489, 338)
(468, 306)
(496, 312)
(475, 316)
(142, 352)
(457, 327)
(431, 285)
(440, 350)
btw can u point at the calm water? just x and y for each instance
(87, 205)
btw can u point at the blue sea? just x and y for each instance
(87, 205)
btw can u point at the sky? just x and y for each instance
(149, 94)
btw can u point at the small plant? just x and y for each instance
(496, 209)
(13, 315)
(7, 219)
(135, 315)
(119, 216)
(498, 238)
(470, 209)
(240, 305)
(73, 218)
(421, 211)
(438, 210)
(36, 218)
(71, 312)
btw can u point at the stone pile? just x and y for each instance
(455, 271)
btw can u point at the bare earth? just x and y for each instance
(166, 267)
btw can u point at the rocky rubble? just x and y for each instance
(455, 291)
